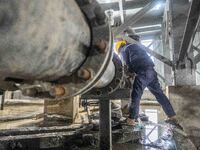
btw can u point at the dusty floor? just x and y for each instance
(153, 137)
(16, 115)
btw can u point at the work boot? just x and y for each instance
(136, 124)
(130, 122)
(174, 122)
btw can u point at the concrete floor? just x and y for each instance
(20, 115)
(159, 138)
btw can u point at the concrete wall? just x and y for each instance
(186, 102)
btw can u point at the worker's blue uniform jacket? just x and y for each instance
(139, 62)
(136, 57)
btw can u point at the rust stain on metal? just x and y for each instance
(58, 91)
(84, 74)
(101, 45)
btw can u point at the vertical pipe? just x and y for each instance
(105, 130)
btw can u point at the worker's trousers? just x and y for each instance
(148, 78)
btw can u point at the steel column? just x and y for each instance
(190, 28)
(105, 130)
(121, 2)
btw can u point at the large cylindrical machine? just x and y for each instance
(54, 49)
(42, 40)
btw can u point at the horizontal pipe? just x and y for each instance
(107, 77)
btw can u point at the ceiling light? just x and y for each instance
(158, 6)
(107, 1)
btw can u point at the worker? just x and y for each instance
(140, 63)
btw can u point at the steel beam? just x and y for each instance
(159, 57)
(127, 5)
(137, 16)
(149, 33)
(196, 48)
(197, 59)
(151, 43)
(190, 28)
(198, 72)
(148, 29)
(151, 52)
(105, 130)
(147, 20)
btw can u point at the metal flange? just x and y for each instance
(115, 84)
(98, 58)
